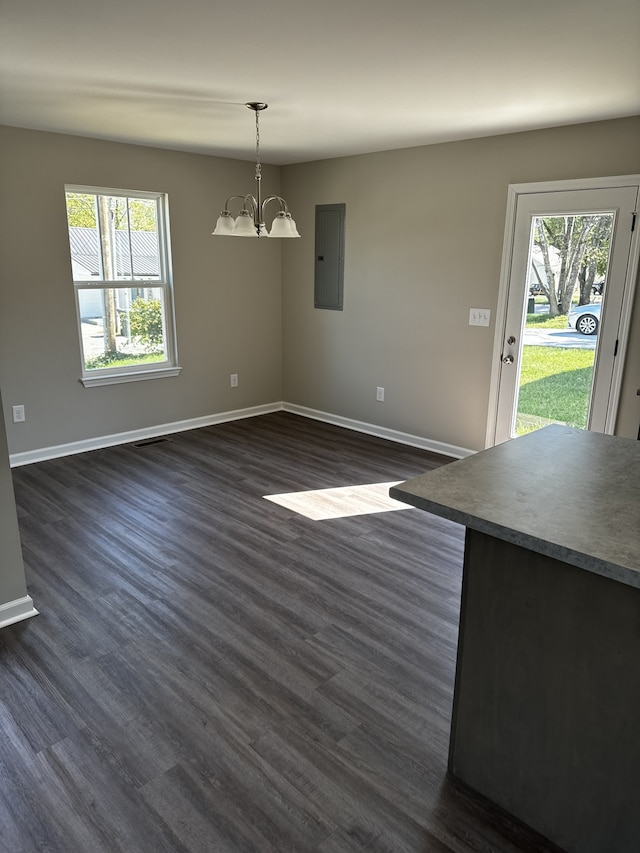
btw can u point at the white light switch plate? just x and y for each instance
(479, 316)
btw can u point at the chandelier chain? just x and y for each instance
(258, 165)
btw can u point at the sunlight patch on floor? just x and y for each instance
(322, 504)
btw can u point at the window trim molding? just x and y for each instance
(134, 375)
(168, 367)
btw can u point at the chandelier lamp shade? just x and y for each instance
(250, 220)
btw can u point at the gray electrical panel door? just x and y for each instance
(329, 265)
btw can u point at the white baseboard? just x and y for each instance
(381, 432)
(44, 453)
(16, 611)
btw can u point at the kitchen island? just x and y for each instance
(547, 691)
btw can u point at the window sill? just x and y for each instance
(117, 378)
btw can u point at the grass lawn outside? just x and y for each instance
(120, 359)
(555, 382)
(544, 321)
(555, 385)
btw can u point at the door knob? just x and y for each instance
(507, 359)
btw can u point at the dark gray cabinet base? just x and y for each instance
(547, 699)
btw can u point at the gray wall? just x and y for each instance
(228, 292)
(424, 233)
(424, 237)
(12, 581)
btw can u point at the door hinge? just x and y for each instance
(615, 349)
(633, 221)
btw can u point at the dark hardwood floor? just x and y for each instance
(212, 672)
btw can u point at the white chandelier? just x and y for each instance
(250, 220)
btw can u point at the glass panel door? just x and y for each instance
(568, 265)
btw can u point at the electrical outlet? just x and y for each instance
(380, 394)
(234, 380)
(479, 316)
(18, 414)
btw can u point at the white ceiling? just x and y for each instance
(340, 76)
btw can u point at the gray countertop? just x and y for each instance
(567, 493)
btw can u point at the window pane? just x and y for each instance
(569, 260)
(113, 238)
(135, 238)
(83, 236)
(122, 327)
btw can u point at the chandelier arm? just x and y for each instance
(283, 203)
(245, 198)
(251, 201)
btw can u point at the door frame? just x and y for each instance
(513, 193)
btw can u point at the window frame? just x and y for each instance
(168, 367)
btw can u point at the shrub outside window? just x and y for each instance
(122, 278)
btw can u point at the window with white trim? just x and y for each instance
(119, 243)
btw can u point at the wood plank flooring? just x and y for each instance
(213, 672)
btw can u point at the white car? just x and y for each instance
(585, 318)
